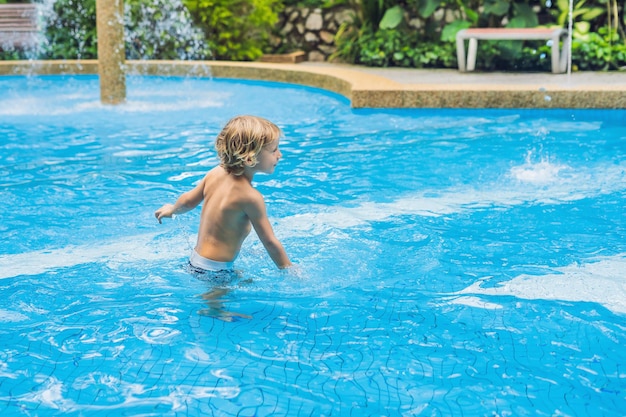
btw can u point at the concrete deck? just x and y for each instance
(452, 88)
(389, 87)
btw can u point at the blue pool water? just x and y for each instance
(451, 262)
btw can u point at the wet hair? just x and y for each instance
(241, 140)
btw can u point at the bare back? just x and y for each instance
(247, 145)
(224, 225)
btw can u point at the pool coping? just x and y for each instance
(369, 88)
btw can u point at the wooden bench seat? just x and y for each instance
(18, 26)
(559, 55)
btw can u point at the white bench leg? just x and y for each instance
(460, 53)
(565, 57)
(556, 59)
(471, 54)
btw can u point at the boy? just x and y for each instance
(231, 205)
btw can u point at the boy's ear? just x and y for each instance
(249, 161)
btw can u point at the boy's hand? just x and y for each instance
(165, 211)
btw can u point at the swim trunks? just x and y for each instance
(206, 264)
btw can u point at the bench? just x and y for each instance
(18, 26)
(559, 56)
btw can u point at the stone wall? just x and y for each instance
(313, 30)
(310, 30)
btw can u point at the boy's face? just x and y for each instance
(268, 158)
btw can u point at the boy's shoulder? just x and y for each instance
(237, 187)
(216, 171)
(217, 175)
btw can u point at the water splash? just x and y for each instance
(600, 280)
(161, 27)
(538, 172)
(544, 182)
(138, 248)
(546, 97)
(554, 189)
(82, 98)
(154, 29)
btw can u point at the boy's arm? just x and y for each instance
(185, 202)
(258, 217)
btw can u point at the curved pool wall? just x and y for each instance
(365, 90)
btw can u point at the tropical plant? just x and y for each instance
(600, 50)
(369, 16)
(235, 29)
(380, 35)
(582, 15)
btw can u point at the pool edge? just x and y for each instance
(364, 90)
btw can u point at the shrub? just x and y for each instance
(236, 29)
(599, 51)
(389, 47)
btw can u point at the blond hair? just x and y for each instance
(242, 139)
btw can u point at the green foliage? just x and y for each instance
(581, 11)
(371, 32)
(531, 56)
(393, 43)
(312, 4)
(388, 47)
(519, 13)
(497, 7)
(12, 55)
(71, 30)
(425, 8)
(372, 11)
(600, 51)
(385, 48)
(523, 16)
(448, 34)
(346, 42)
(435, 55)
(235, 29)
(392, 18)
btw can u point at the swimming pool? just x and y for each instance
(452, 262)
